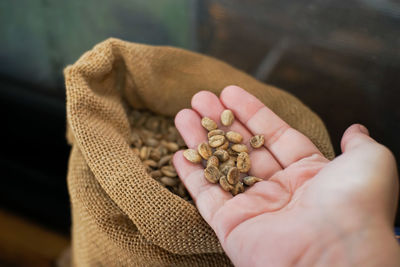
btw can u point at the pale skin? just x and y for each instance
(308, 211)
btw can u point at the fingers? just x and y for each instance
(286, 144)
(264, 164)
(189, 126)
(354, 136)
(208, 197)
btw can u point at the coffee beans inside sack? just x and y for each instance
(154, 140)
(227, 158)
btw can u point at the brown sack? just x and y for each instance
(121, 216)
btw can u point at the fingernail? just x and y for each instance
(363, 129)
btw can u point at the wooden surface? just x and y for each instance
(23, 243)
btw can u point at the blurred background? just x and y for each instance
(341, 58)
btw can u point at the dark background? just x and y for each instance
(341, 58)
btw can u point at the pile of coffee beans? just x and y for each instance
(225, 155)
(154, 139)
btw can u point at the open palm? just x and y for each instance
(304, 198)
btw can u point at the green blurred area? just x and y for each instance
(39, 38)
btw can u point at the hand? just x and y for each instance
(308, 211)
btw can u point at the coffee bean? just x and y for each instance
(145, 134)
(234, 137)
(165, 160)
(233, 159)
(164, 125)
(224, 184)
(215, 132)
(150, 163)
(136, 141)
(250, 180)
(224, 146)
(243, 162)
(213, 160)
(168, 181)
(204, 150)
(212, 174)
(171, 146)
(237, 189)
(233, 176)
(240, 148)
(225, 166)
(155, 154)
(173, 131)
(232, 153)
(152, 124)
(182, 191)
(158, 136)
(155, 174)
(144, 153)
(169, 171)
(224, 169)
(222, 155)
(216, 140)
(163, 150)
(257, 141)
(192, 155)
(227, 117)
(152, 142)
(208, 123)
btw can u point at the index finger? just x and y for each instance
(208, 197)
(285, 143)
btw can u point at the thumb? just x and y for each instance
(355, 136)
(373, 165)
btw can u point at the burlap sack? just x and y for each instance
(121, 216)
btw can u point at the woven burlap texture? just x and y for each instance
(121, 216)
